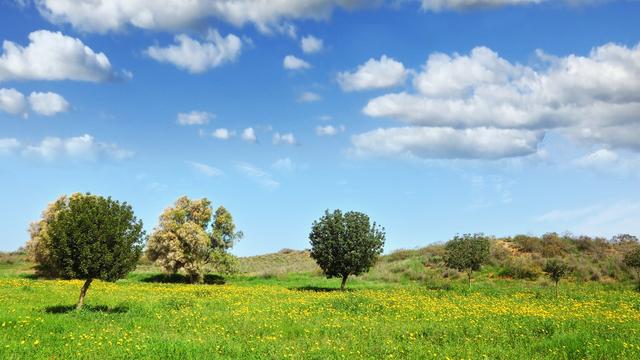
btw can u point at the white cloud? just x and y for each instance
(83, 147)
(13, 102)
(374, 74)
(53, 56)
(284, 164)
(204, 169)
(9, 145)
(258, 175)
(195, 56)
(48, 103)
(309, 96)
(442, 5)
(594, 99)
(249, 135)
(116, 15)
(311, 44)
(287, 138)
(610, 162)
(223, 134)
(329, 130)
(291, 62)
(195, 118)
(448, 143)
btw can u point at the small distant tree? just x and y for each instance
(467, 253)
(345, 244)
(632, 260)
(88, 237)
(556, 269)
(183, 241)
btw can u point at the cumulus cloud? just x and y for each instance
(610, 162)
(249, 135)
(117, 15)
(442, 5)
(374, 74)
(9, 145)
(48, 103)
(53, 56)
(309, 96)
(287, 138)
(44, 103)
(594, 98)
(311, 44)
(205, 169)
(13, 102)
(195, 56)
(329, 130)
(257, 175)
(83, 147)
(291, 62)
(448, 143)
(195, 118)
(223, 134)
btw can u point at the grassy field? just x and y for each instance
(298, 315)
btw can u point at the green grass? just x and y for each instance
(299, 315)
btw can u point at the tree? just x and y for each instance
(345, 244)
(556, 269)
(88, 237)
(181, 241)
(467, 253)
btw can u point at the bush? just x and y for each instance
(528, 243)
(520, 268)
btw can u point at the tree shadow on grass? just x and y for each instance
(64, 309)
(317, 289)
(209, 279)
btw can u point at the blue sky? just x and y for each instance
(435, 117)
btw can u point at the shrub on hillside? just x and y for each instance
(529, 244)
(520, 268)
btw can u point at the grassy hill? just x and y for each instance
(280, 306)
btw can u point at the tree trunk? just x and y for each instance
(83, 292)
(469, 278)
(556, 289)
(344, 282)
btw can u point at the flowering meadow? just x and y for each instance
(303, 318)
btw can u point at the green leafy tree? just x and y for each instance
(467, 253)
(89, 237)
(182, 240)
(556, 269)
(345, 244)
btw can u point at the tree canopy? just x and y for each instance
(467, 253)
(183, 241)
(87, 237)
(345, 244)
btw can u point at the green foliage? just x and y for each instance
(467, 252)
(92, 237)
(520, 268)
(224, 232)
(182, 241)
(345, 244)
(556, 269)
